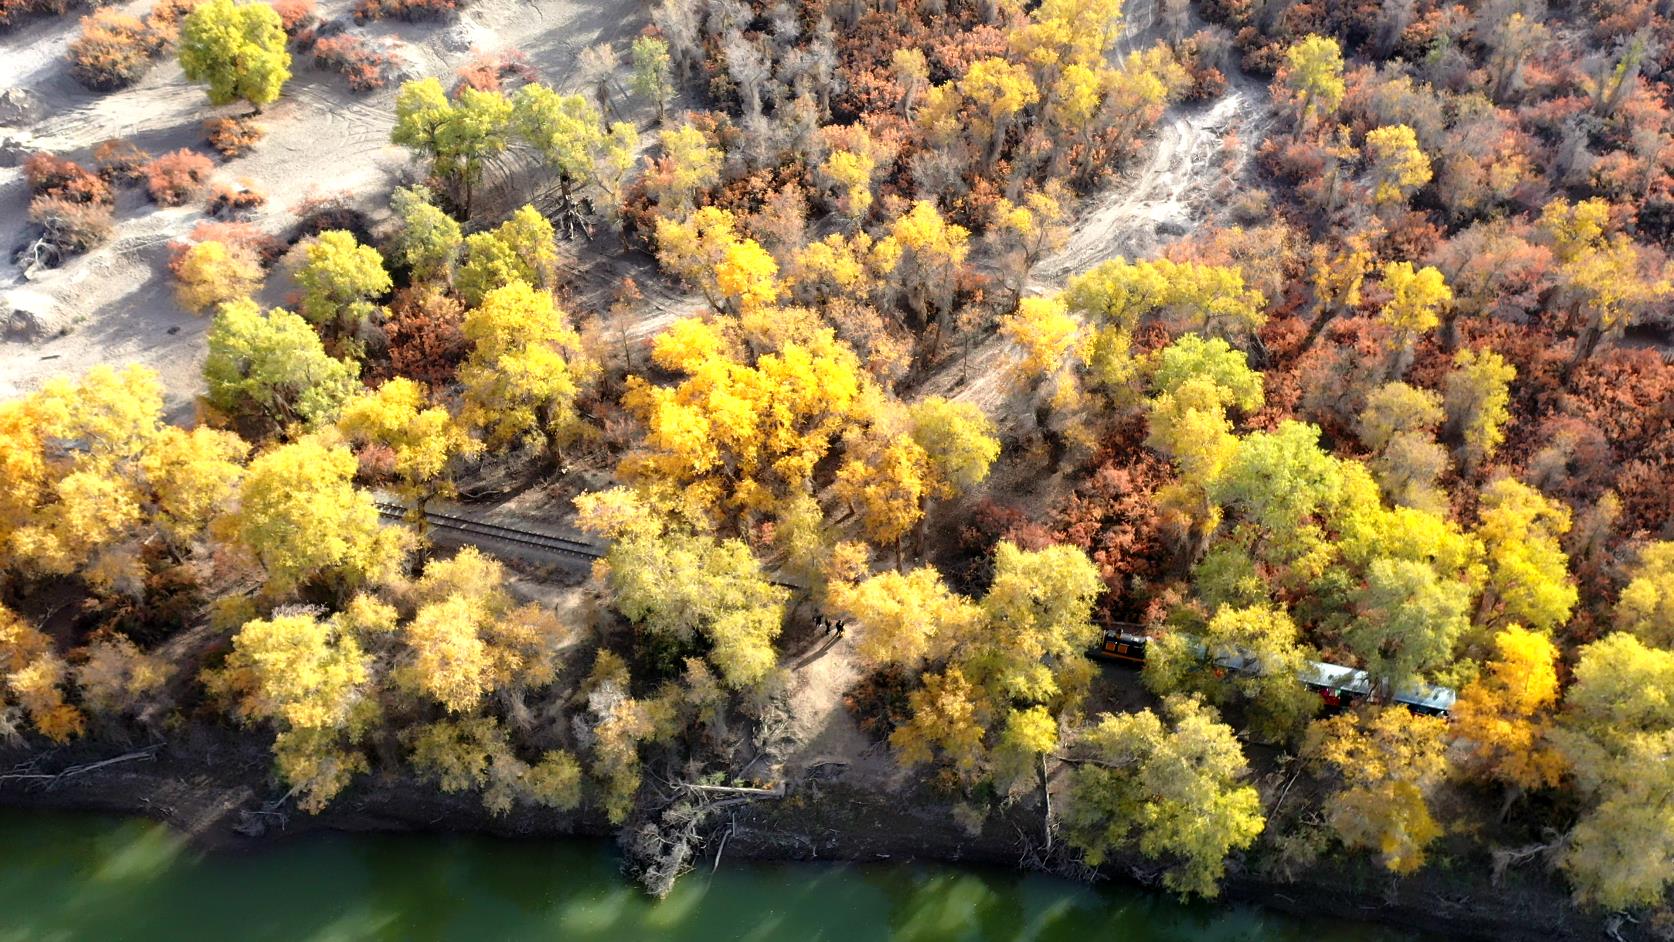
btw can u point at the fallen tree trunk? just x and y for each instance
(777, 791)
(51, 779)
(662, 848)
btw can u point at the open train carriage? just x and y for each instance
(1118, 645)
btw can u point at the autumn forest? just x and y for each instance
(788, 318)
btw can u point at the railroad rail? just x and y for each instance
(546, 542)
(473, 530)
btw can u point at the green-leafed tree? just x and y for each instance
(238, 50)
(1172, 786)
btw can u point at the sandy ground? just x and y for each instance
(114, 305)
(1168, 193)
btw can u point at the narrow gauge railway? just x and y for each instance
(1337, 686)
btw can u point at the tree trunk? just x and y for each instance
(1585, 345)
(1326, 315)
(1449, 332)
(1056, 447)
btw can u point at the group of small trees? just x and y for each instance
(97, 484)
(464, 133)
(429, 653)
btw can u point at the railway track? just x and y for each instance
(466, 527)
(474, 531)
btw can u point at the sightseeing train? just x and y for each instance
(1337, 686)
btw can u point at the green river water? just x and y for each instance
(74, 877)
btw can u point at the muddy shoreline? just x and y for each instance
(209, 790)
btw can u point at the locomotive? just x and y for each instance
(1337, 686)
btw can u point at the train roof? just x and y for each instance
(1440, 699)
(1338, 677)
(1317, 673)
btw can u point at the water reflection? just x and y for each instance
(72, 878)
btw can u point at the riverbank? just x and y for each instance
(212, 786)
(81, 876)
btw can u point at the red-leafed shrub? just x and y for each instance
(174, 179)
(164, 19)
(1202, 54)
(13, 10)
(53, 176)
(113, 51)
(495, 71)
(119, 161)
(232, 137)
(1628, 396)
(295, 15)
(234, 199)
(425, 340)
(365, 68)
(1113, 515)
(71, 228)
(377, 462)
(410, 10)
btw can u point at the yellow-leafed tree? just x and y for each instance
(1389, 760)
(300, 517)
(1172, 786)
(310, 678)
(525, 372)
(468, 638)
(32, 676)
(422, 439)
(1507, 714)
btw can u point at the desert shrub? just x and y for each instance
(113, 51)
(426, 342)
(71, 228)
(267, 248)
(495, 71)
(173, 179)
(232, 137)
(365, 68)
(53, 176)
(233, 199)
(209, 273)
(164, 20)
(12, 11)
(294, 15)
(1201, 55)
(367, 11)
(317, 213)
(119, 161)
